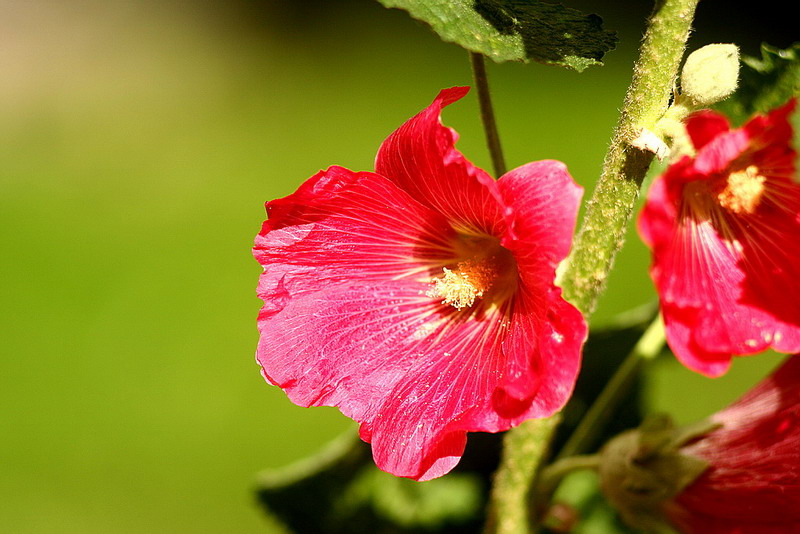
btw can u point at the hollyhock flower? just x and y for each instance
(420, 299)
(724, 227)
(752, 485)
(737, 472)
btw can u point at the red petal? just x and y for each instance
(412, 372)
(346, 226)
(773, 129)
(346, 321)
(542, 375)
(702, 280)
(543, 202)
(727, 281)
(753, 483)
(420, 157)
(704, 126)
(718, 153)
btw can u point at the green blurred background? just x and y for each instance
(138, 143)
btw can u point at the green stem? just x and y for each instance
(552, 475)
(487, 113)
(524, 448)
(595, 419)
(611, 206)
(602, 233)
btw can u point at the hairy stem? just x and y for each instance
(487, 113)
(523, 450)
(610, 208)
(601, 235)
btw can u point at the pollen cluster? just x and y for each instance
(460, 287)
(743, 191)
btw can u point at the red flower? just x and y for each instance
(753, 483)
(724, 227)
(420, 299)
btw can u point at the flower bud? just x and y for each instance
(710, 74)
(737, 471)
(642, 469)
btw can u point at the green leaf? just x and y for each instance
(516, 30)
(764, 83)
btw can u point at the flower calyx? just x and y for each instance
(641, 469)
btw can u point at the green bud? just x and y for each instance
(710, 74)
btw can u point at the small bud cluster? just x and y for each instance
(710, 75)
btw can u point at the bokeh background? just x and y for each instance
(138, 143)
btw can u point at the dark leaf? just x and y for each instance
(516, 30)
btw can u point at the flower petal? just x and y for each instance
(539, 377)
(700, 280)
(544, 202)
(348, 319)
(770, 256)
(343, 225)
(420, 158)
(703, 126)
(727, 277)
(410, 370)
(753, 483)
(346, 322)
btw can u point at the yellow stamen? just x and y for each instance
(743, 191)
(462, 286)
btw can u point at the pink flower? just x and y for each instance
(753, 483)
(724, 227)
(420, 299)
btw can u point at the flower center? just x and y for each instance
(743, 191)
(460, 287)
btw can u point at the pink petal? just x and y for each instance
(392, 359)
(420, 158)
(346, 322)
